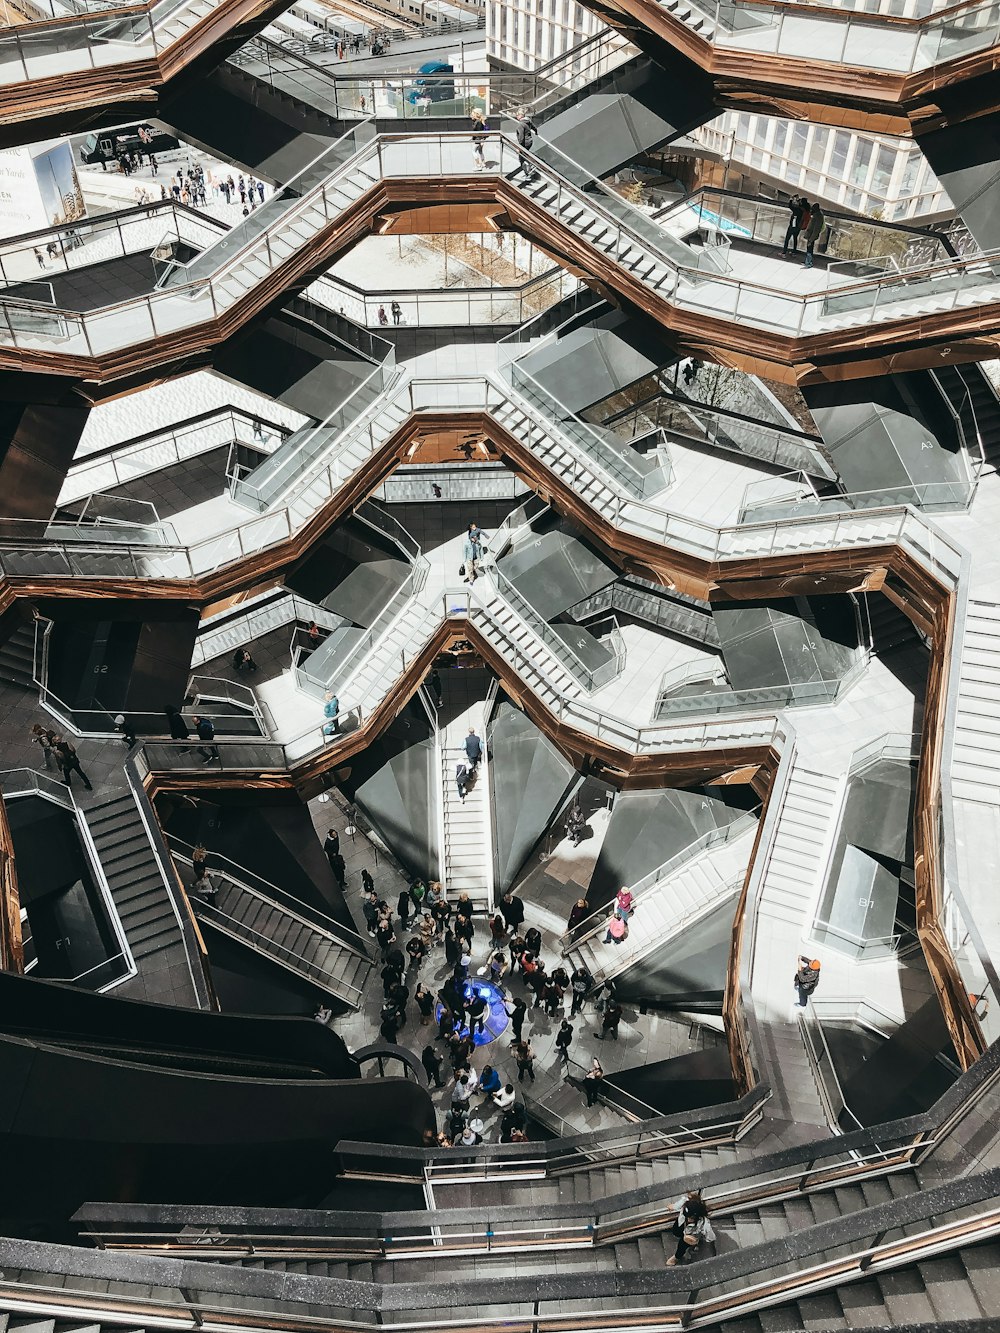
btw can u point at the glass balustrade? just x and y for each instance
(695, 421)
(81, 36)
(943, 497)
(590, 677)
(72, 41)
(831, 34)
(636, 242)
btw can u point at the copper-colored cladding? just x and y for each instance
(948, 337)
(872, 100)
(439, 219)
(11, 945)
(131, 86)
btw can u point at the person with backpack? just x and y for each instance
(525, 1058)
(480, 129)
(580, 982)
(68, 761)
(806, 979)
(692, 1227)
(524, 132)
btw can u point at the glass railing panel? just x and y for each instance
(172, 311)
(26, 324)
(803, 694)
(958, 34)
(930, 496)
(978, 280)
(617, 460)
(215, 551)
(116, 326)
(13, 68)
(305, 447)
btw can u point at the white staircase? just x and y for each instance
(567, 463)
(520, 643)
(685, 894)
(182, 19)
(794, 865)
(801, 845)
(466, 847)
(975, 767)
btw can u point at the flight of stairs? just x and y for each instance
(975, 769)
(962, 1285)
(296, 227)
(685, 894)
(141, 899)
(691, 17)
(890, 627)
(17, 658)
(570, 464)
(800, 847)
(519, 642)
(181, 19)
(348, 451)
(291, 941)
(747, 1226)
(466, 848)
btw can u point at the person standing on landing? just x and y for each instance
(480, 130)
(796, 206)
(812, 232)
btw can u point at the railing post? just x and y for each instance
(866, 1259)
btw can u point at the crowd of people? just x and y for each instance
(470, 1004)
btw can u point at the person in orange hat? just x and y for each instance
(806, 978)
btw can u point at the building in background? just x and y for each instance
(876, 175)
(527, 33)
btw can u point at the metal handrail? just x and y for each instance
(650, 882)
(209, 911)
(280, 898)
(630, 223)
(851, 1247)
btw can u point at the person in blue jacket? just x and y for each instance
(331, 708)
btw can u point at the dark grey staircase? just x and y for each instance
(890, 627)
(974, 399)
(143, 903)
(319, 954)
(739, 1230)
(17, 658)
(26, 1323)
(795, 1110)
(962, 1285)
